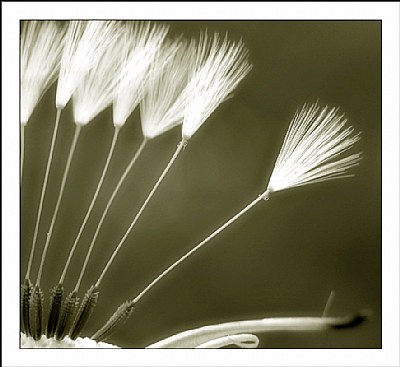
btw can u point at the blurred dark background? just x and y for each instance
(281, 259)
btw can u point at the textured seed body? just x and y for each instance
(67, 315)
(55, 308)
(36, 312)
(119, 317)
(26, 292)
(85, 310)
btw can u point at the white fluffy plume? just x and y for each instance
(142, 42)
(219, 68)
(310, 152)
(168, 77)
(97, 89)
(85, 44)
(41, 46)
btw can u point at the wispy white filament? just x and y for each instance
(168, 76)
(317, 136)
(42, 43)
(86, 42)
(142, 42)
(220, 66)
(97, 89)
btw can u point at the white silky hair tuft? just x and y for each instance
(86, 42)
(142, 42)
(97, 89)
(219, 68)
(42, 43)
(168, 76)
(316, 137)
(67, 342)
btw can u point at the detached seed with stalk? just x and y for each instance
(317, 134)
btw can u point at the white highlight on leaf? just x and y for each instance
(245, 341)
(219, 68)
(142, 42)
(97, 89)
(168, 76)
(85, 44)
(42, 43)
(316, 138)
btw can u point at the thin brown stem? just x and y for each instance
(179, 148)
(99, 185)
(62, 187)
(46, 176)
(197, 247)
(103, 216)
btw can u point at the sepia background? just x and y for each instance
(281, 259)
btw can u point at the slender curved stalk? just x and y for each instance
(62, 187)
(179, 148)
(113, 195)
(46, 176)
(195, 337)
(201, 244)
(99, 185)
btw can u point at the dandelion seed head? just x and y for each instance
(312, 147)
(219, 68)
(97, 88)
(142, 42)
(41, 47)
(160, 108)
(86, 42)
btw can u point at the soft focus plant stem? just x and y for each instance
(195, 337)
(99, 185)
(113, 195)
(46, 176)
(179, 148)
(62, 187)
(263, 196)
(328, 304)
